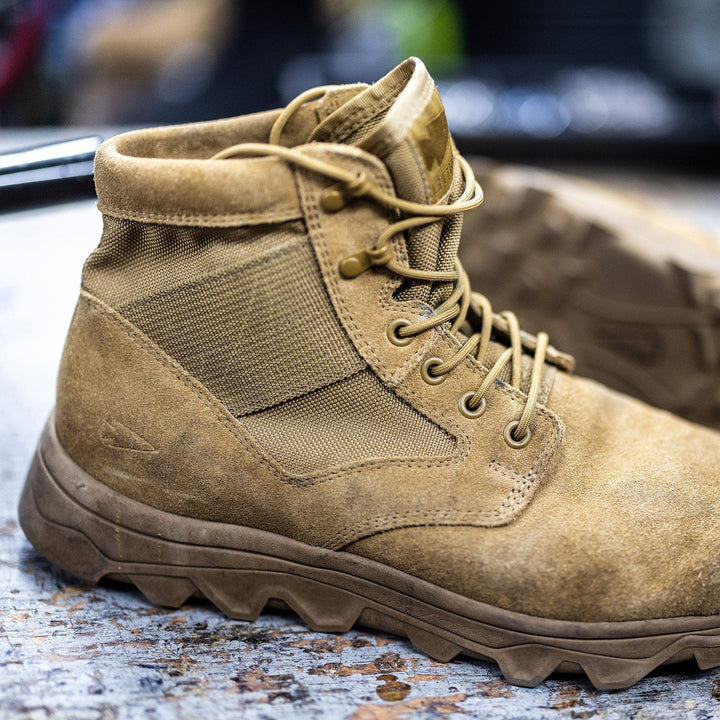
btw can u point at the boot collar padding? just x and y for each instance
(163, 175)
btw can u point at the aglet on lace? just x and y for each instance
(354, 265)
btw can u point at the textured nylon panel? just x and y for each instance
(353, 420)
(135, 260)
(255, 335)
(366, 129)
(434, 247)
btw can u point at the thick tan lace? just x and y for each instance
(461, 300)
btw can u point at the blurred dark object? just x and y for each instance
(603, 80)
(23, 30)
(24, 34)
(48, 173)
(521, 79)
(558, 79)
(539, 109)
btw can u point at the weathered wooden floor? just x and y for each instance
(72, 651)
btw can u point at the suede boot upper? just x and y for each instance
(221, 366)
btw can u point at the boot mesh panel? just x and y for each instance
(355, 419)
(245, 311)
(136, 260)
(255, 334)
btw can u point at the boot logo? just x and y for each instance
(431, 137)
(121, 437)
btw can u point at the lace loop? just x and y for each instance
(359, 186)
(292, 107)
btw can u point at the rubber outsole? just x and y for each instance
(93, 532)
(632, 293)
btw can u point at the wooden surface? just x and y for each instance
(72, 651)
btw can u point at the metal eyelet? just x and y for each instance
(425, 371)
(392, 334)
(510, 438)
(469, 412)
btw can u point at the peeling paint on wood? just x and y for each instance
(69, 650)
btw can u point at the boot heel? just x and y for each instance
(66, 547)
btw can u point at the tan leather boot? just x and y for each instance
(278, 384)
(632, 292)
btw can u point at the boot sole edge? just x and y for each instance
(66, 514)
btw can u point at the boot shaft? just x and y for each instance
(212, 262)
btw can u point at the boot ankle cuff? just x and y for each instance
(164, 175)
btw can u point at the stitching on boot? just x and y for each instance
(516, 499)
(344, 371)
(202, 394)
(319, 243)
(274, 214)
(230, 423)
(317, 238)
(359, 118)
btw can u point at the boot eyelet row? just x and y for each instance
(469, 412)
(425, 371)
(510, 439)
(392, 333)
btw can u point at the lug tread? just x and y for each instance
(243, 595)
(163, 590)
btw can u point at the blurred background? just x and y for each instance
(561, 79)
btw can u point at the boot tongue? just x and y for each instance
(401, 120)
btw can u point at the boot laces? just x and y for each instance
(461, 300)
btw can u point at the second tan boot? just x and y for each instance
(631, 291)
